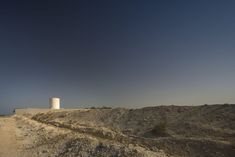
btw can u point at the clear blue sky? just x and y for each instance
(116, 53)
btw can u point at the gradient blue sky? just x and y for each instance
(127, 53)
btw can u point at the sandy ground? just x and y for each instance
(9, 144)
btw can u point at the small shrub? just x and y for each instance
(159, 130)
(102, 107)
(233, 142)
(105, 107)
(62, 116)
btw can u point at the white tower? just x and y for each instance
(54, 103)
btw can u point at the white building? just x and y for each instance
(54, 103)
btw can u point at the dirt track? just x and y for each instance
(9, 144)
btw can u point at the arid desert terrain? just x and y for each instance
(161, 131)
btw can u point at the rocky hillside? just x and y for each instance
(42, 140)
(190, 131)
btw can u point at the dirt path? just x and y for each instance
(8, 141)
